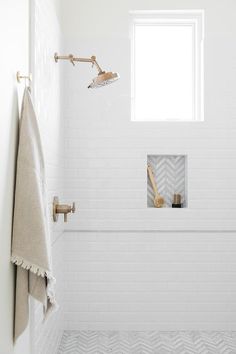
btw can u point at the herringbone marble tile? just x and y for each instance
(114, 342)
(169, 172)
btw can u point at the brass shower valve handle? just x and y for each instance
(71, 58)
(62, 209)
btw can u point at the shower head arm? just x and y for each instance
(73, 59)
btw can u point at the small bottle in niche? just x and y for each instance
(177, 201)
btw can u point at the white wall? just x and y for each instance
(14, 38)
(124, 269)
(150, 280)
(46, 40)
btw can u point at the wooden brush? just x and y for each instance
(158, 200)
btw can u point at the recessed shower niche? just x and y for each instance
(166, 181)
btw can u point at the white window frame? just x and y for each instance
(194, 18)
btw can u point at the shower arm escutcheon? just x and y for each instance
(73, 59)
(61, 209)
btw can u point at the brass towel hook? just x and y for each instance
(61, 209)
(19, 77)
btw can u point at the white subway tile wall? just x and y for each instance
(46, 92)
(150, 281)
(129, 267)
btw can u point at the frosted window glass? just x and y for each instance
(163, 72)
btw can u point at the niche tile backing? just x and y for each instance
(170, 175)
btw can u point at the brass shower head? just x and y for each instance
(103, 78)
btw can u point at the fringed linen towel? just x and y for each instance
(31, 248)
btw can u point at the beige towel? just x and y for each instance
(31, 248)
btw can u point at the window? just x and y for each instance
(167, 66)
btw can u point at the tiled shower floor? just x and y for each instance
(199, 342)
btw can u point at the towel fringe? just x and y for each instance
(19, 261)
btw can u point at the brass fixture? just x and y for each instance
(103, 78)
(19, 77)
(61, 209)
